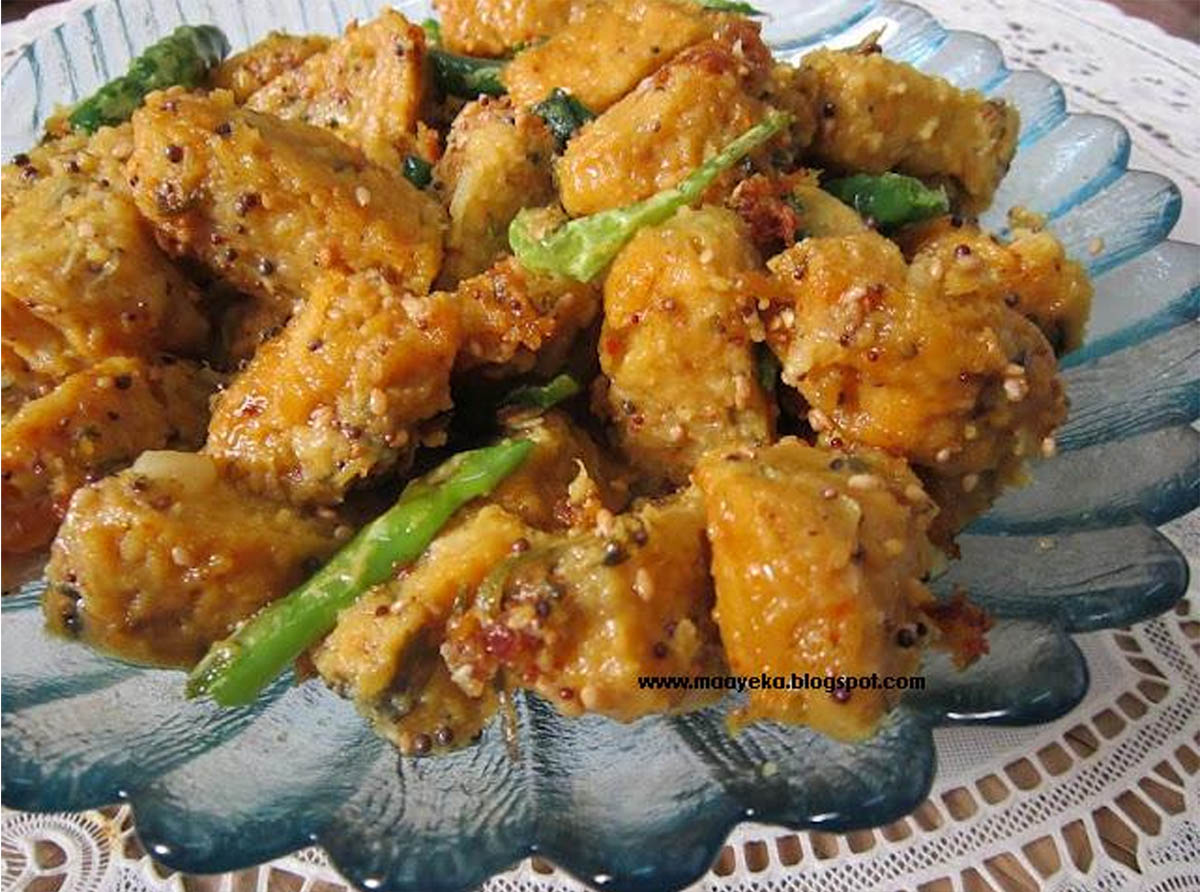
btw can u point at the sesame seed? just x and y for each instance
(829, 492)
(1049, 447)
(174, 153)
(378, 401)
(422, 744)
(1016, 389)
(969, 482)
(362, 195)
(863, 481)
(643, 584)
(943, 455)
(906, 637)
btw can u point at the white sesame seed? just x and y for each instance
(589, 696)
(1049, 447)
(1016, 389)
(863, 481)
(943, 455)
(643, 584)
(741, 391)
(604, 522)
(362, 195)
(378, 401)
(969, 482)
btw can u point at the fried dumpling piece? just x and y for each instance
(383, 653)
(566, 482)
(818, 558)
(246, 72)
(270, 204)
(497, 161)
(92, 423)
(579, 617)
(878, 115)
(494, 28)
(963, 389)
(656, 135)
(340, 393)
(82, 277)
(515, 320)
(100, 156)
(157, 562)
(607, 48)
(367, 88)
(1031, 273)
(677, 345)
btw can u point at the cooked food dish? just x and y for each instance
(560, 346)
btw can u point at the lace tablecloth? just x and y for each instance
(1106, 798)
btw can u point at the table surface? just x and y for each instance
(1062, 806)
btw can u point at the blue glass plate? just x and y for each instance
(216, 790)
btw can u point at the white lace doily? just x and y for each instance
(1105, 798)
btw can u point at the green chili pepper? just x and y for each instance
(766, 367)
(730, 6)
(563, 114)
(583, 247)
(890, 198)
(543, 396)
(183, 58)
(466, 76)
(433, 32)
(237, 668)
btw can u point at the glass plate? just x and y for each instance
(217, 790)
